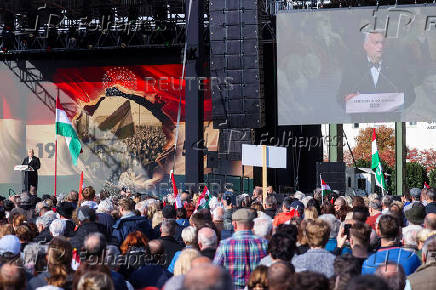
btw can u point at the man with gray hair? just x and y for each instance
(207, 277)
(104, 215)
(431, 201)
(375, 209)
(334, 225)
(207, 242)
(424, 277)
(263, 228)
(43, 223)
(57, 227)
(270, 206)
(170, 245)
(415, 194)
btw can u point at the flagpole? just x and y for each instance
(56, 164)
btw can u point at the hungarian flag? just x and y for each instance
(75, 262)
(178, 203)
(426, 185)
(202, 201)
(376, 164)
(325, 189)
(64, 127)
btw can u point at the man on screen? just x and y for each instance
(374, 75)
(31, 176)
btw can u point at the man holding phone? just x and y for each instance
(358, 236)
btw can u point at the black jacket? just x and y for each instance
(69, 228)
(431, 207)
(43, 237)
(31, 177)
(106, 220)
(84, 230)
(208, 252)
(171, 246)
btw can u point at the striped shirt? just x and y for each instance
(240, 254)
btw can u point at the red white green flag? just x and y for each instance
(376, 163)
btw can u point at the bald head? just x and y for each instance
(156, 247)
(200, 261)
(278, 275)
(393, 274)
(430, 221)
(207, 238)
(207, 277)
(95, 243)
(218, 214)
(12, 277)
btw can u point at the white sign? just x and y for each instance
(23, 168)
(252, 156)
(375, 103)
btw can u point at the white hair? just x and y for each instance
(333, 222)
(262, 227)
(46, 219)
(299, 195)
(141, 206)
(57, 227)
(207, 238)
(105, 206)
(409, 235)
(189, 234)
(305, 200)
(218, 215)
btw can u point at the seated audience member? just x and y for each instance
(311, 281)
(316, 259)
(393, 274)
(389, 230)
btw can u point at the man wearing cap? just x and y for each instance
(415, 215)
(415, 195)
(242, 252)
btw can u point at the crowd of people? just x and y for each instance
(278, 241)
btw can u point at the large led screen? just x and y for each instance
(356, 65)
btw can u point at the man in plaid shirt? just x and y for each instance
(242, 252)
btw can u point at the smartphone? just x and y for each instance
(347, 228)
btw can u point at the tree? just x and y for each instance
(432, 178)
(385, 144)
(416, 175)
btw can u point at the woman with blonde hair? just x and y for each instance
(310, 213)
(157, 219)
(258, 278)
(95, 280)
(182, 266)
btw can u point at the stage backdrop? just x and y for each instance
(125, 117)
(356, 65)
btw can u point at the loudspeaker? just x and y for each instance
(333, 173)
(235, 64)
